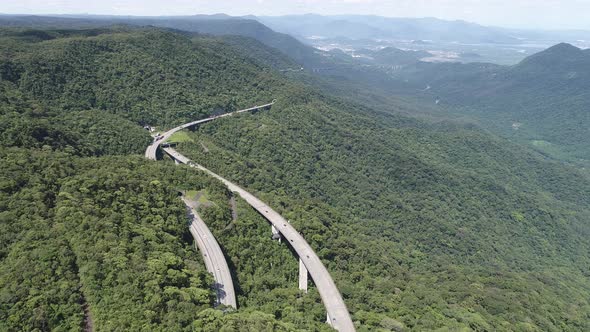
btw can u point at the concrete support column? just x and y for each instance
(302, 276)
(176, 161)
(276, 235)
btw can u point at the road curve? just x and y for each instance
(214, 259)
(151, 151)
(338, 314)
(208, 246)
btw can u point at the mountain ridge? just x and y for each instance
(387, 27)
(562, 56)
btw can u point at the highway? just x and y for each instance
(152, 150)
(214, 259)
(338, 314)
(208, 246)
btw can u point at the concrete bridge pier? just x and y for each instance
(303, 273)
(302, 276)
(276, 235)
(331, 321)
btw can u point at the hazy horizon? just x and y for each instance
(554, 15)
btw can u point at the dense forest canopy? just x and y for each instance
(416, 202)
(423, 225)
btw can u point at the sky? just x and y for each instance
(548, 14)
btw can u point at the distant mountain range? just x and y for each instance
(361, 26)
(422, 31)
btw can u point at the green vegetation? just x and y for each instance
(424, 226)
(148, 76)
(27, 122)
(108, 234)
(546, 93)
(428, 226)
(179, 137)
(81, 222)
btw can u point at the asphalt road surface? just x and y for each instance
(214, 259)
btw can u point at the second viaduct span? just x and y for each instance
(152, 151)
(337, 312)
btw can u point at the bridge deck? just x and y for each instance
(214, 259)
(151, 151)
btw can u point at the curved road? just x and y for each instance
(208, 246)
(151, 151)
(338, 314)
(214, 259)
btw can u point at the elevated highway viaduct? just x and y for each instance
(337, 312)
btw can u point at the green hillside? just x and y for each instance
(218, 25)
(542, 99)
(423, 225)
(445, 225)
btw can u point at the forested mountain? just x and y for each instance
(298, 54)
(542, 101)
(219, 25)
(423, 225)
